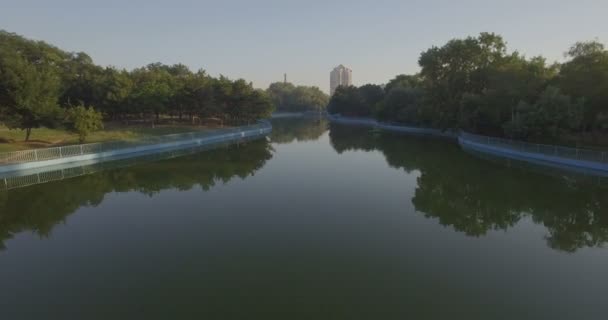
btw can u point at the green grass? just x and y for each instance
(13, 140)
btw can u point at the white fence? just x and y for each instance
(395, 127)
(71, 170)
(34, 155)
(552, 155)
(544, 149)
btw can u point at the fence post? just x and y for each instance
(60, 155)
(81, 152)
(5, 184)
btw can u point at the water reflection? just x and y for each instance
(475, 196)
(288, 130)
(39, 208)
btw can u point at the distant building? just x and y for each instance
(340, 76)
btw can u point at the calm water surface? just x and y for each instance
(312, 223)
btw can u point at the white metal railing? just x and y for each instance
(15, 157)
(14, 182)
(544, 149)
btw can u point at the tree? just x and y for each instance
(80, 80)
(346, 101)
(281, 94)
(459, 67)
(260, 106)
(289, 98)
(401, 104)
(37, 80)
(152, 90)
(198, 96)
(115, 89)
(355, 101)
(403, 80)
(84, 121)
(28, 92)
(371, 94)
(586, 76)
(558, 113)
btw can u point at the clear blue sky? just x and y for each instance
(261, 40)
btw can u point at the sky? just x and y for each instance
(261, 40)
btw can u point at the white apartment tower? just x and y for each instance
(340, 76)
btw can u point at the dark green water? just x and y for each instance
(311, 224)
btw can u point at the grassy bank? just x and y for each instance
(13, 140)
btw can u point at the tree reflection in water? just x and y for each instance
(470, 195)
(307, 128)
(475, 196)
(40, 207)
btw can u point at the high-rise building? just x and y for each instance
(340, 76)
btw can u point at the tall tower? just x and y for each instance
(285, 78)
(340, 76)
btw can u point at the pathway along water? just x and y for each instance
(582, 161)
(20, 161)
(317, 222)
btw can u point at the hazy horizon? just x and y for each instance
(263, 40)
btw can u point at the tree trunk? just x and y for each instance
(28, 132)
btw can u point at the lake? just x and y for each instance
(317, 221)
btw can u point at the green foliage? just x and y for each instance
(83, 121)
(371, 95)
(585, 75)
(289, 98)
(353, 101)
(403, 80)
(115, 88)
(553, 115)
(346, 101)
(402, 104)
(462, 66)
(29, 89)
(152, 89)
(477, 85)
(37, 80)
(80, 80)
(474, 84)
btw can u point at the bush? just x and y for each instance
(84, 120)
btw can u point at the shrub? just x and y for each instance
(84, 120)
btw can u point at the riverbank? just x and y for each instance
(393, 127)
(281, 115)
(38, 158)
(12, 140)
(585, 161)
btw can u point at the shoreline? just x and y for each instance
(578, 160)
(110, 151)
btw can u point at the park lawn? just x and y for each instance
(13, 140)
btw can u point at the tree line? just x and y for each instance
(39, 83)
(476, 84)
(290, 98)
